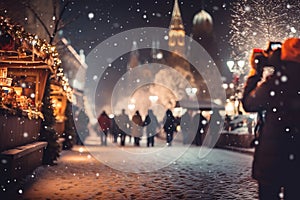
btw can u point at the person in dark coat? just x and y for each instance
(169, 126)
(137, 128)
(187, 128)
(151, 124)
(105, 124)
(114, 130)
(276, 164)
(200, 123)
(227, 121)
(82, 131)
(124, 124)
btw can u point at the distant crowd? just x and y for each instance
(121, 126)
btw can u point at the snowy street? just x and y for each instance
(220, 175)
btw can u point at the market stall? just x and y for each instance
(26, 62)
(59, 102)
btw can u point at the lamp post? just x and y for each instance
(153, 99)
(191, 92)
(237, 68)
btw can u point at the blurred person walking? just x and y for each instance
(200, 123)
(151, 124)
(169, 126)
(137, 128)
(124, 124)
(105, 124)
(186, 127)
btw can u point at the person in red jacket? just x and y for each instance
(276, 164)
(105, 124)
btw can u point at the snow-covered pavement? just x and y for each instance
(221, 174)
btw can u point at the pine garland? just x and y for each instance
(69, 133)
(47, 132)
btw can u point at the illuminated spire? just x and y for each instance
(176, 32)
(176, 21)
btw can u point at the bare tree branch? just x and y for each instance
(68, 22)
(59, 19)
(38, 18)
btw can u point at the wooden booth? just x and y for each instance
(25, 64)
(22, 89)
(59, 102)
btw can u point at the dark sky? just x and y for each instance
(114, 16)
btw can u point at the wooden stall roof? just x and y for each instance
(11, 59)
(24, 65)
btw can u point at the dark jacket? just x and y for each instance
(277, 155)
(170, 122)
(151, 124)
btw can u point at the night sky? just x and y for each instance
(114, 16)
(89, 22)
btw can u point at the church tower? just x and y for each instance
(176, 32)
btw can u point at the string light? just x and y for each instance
(47, 52)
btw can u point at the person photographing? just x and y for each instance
(276, 99)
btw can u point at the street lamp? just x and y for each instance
(131, 106)
(237, 69)
(153, 99)
(230, 65)
(191, 92)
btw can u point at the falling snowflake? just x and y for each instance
(283, 79)
(91, 15)
(95, 77)
(4, 161)
(272, 93)
(287, 129)
(25, 134)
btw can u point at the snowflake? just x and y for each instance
(293, 30)
(91, 15)
(247, 8)
(287, 129)
(272, 93)
(4, 161)
(284, 79)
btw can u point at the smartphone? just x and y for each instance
(275, 45)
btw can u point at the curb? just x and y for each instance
(249, 151)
